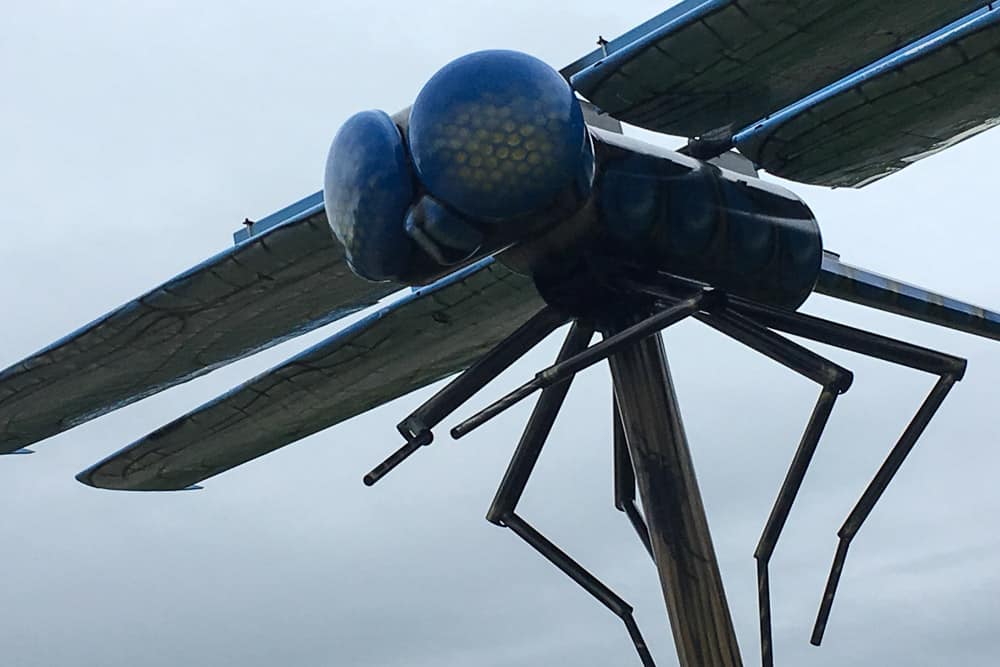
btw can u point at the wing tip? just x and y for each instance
(95, 478)
(87, 477)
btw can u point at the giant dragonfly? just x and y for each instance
(509, 198)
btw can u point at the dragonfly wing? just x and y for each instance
(426, 336)
(703, 65)
(851, 283)
(271, 287)
(915, 103)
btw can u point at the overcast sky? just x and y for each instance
(134, 137)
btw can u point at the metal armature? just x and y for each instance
(651, 452)
(750, 324)
(503, 510)
(567, 368)
(948, 368)
(834, 381)
(416, 428)
(625, 481)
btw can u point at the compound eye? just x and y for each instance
(367, 189)
(498, 135)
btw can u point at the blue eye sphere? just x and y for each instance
(498, 134)
(366, 192)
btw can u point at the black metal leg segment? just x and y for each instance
(949, 370)
(589, 582)
(873, 492)
(536, 431)
(416, 428)
(589, 357)
(525, 457)
(625, 481)
(779, 514)
(835, 380)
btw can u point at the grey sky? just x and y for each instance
(136, 136)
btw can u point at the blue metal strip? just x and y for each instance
(303, 208)
(300, 210)
(867, 288)
(627, 38)
(624, 48)
(940, 39)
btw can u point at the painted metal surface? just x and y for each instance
(627, 211)
(850, 283)
(498, 135)
(709, 64)
(948, 368)
(910, 105)
(305, 206)
(502, 157)
(268, 289)
(494, 150)
(367, 187)
(666, 211)
(427, 335)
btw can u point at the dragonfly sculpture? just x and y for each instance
(509, 199)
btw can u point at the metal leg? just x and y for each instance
(682, 546)
(625, 482)
(835, 380)
(873, 492)
(588, 357)
(949, 370)
(416, 428)
(502, 511)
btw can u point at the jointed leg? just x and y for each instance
(949, 370)
(834, 380)
(570, 366)
(625, 482)
(874, 491)
(502, 511)
(416, 428)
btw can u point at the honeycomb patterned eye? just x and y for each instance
(498, 134)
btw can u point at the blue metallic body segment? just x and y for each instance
(367, 188)
(667, 212)
(425, 336)
(285, 282)
(915, 102)
(497, 135)
(303, 208)
(850, 283)
(706, 65)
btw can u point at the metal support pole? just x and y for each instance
(682, 545)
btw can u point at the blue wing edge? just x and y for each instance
(867, 288)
